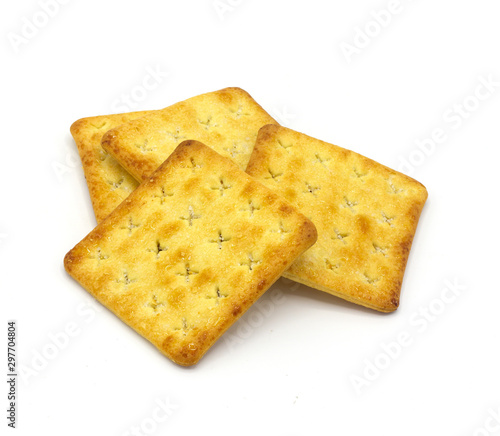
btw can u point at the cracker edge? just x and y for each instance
(83, 152)
(306, 237)
(260, 154)
(135, 167)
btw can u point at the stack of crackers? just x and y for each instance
(203, 205)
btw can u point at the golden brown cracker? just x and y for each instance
(189, 251)
(227, 120)
(108, 182)
(366, 214)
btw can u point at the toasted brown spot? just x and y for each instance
(166, 342)
(236, 310)
(290, 194)
(175, 298)
(171, 228)
(248, 190)
(191, 185)
(363, 223)
(286, 209)
(309, 231)
(227, 95)
(296, 164)
(268, 131)
(205, 276)
(69, 259)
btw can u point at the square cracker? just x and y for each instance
(227, 121)
(189, 251)
(366, 214)
(109, 184)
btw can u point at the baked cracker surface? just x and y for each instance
(227, 120)
(189, 251)
(366, 214)
(108, 182)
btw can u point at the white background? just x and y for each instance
(292, 372)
